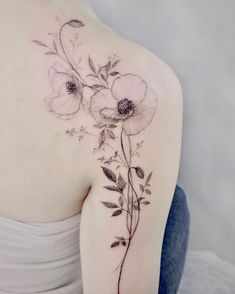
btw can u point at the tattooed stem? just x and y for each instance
(128, 186)
(130, 152)
(124, 198)
(122, 146)
(128, 246)
(130, 181)
(133, 190)
(66, 56)
(123, 261)
(130, 206)
(138, 210)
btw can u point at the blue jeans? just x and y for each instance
(174, 244)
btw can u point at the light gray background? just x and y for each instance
(197, 39)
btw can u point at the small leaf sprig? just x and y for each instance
(102, 73)
(106, 132)
(129, 200)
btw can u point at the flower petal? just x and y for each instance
(108, 112)
(62, 67)
(129, 86)
(64, 116)
(112, 112)
(99, 102)
(64, 106)
(142, 115)
(58, 81)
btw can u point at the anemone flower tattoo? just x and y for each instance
(65, 100)
(122, 106)
(129, 101)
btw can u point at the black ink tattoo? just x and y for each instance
(122, 106)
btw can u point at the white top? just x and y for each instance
(40, 257)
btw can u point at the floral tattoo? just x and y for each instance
(122, 106)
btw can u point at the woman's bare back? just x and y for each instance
(45, 174)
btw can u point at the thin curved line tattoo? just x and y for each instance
(122, 106)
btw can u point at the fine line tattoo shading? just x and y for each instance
(122, 106)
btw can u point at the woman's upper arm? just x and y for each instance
(124, 215)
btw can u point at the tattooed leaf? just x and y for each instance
(51, 53)
(100, 68)
(91, 64)
(75, 23)
(120, 238)
(112, 188)
(115, 244)
(141, 198)
(92, 75)
(99, 126)
(148, 178)
(140, 172)
(103, 77)
(111, 126)
(115, 63)
(147, 191)
(107, 67)
(109, 174)
(97, 86)
(136, 206)
(54, 45)
(40, 43)
(117, 212)
(145, 202)
(114, 73)
(101, 138)
(142, 188)
(120, 200)
(111, 134)
(109, 204)
(121, 182)
(124, 243)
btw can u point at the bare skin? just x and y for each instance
(59, 159)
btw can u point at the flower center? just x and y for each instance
(125, 106)
(71, 87)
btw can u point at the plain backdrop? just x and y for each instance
(197, 39)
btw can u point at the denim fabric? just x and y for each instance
(174, 244)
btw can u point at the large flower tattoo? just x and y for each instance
(129, 101)
(111, 98)
(66, 97)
